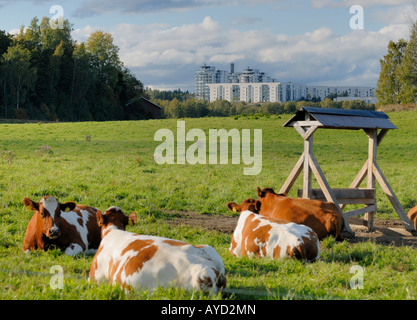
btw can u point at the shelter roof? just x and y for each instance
(341, 118)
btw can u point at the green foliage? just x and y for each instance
(46, 75)
(397, 83)
(196, 108)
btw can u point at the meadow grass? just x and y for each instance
(114, 165)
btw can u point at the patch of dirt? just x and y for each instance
(224, 224)
(386, 232)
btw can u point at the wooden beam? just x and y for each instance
(307, 123)
(321, 179)
(300, 129)
(358, 179)
(325, 187)
(392, 197)
(382, 135)
(309, 132)
(308, 149)
(346, 196)
(372, 149)
(358, 212)
(286, 187)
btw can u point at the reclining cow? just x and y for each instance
(262, 236)
(146, 262)
(323, 217)
(70, 227)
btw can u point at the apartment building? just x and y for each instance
(251, 85)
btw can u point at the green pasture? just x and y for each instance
(111, 163)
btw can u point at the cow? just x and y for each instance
(323, 217)
(412, 215)
(261, 236)
(67, 226)
(247, 204)
(136, 261)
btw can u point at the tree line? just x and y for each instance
(397, 83)
(196, 108)
(46, 75)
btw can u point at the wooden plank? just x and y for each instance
(286, 187)
(346, 196)
(358, 179)
(307, 123)
(392, 197)
(364, 210)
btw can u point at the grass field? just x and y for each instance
(115, 166)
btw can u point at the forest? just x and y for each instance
(46, 75)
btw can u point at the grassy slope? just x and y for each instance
(116, 168)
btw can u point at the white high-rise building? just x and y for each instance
(251, 85)
(281, 92)
(208, 75)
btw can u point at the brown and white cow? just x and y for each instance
(146, 262)
(261, 236)
(70, 227)
(323, 217)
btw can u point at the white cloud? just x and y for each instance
(172, 54)
(348, 3)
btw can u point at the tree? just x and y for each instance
(21, 76)
(407, 72)
(389, 84)
(104, 56)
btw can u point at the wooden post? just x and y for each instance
(372, 149)
(308, 148)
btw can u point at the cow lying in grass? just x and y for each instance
(70, 227)
(323, 217)
(146, 262)
(260, 236)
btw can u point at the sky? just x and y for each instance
(164, 42)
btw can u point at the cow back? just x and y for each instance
(261, 236)
(139, 261)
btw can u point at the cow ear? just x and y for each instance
(232, 206)
(260, 193)
(100, 219)
(30, 205)
(132, 219)
(69, 206)
(258, 205)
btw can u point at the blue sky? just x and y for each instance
(164, 42)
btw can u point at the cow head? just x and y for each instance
(115, 216)
(262, 193)
(49, 209)
(247, 204)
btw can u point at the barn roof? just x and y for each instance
(342, 118)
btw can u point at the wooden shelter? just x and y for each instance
(306, 121)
